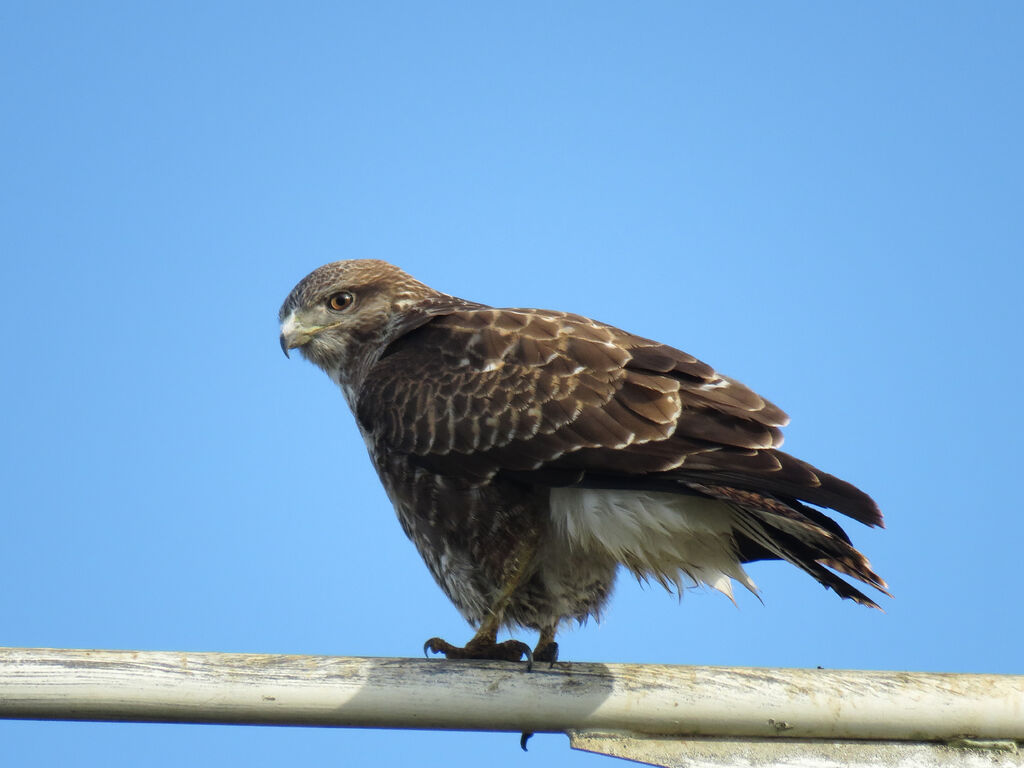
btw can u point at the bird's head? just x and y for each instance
(343, 315)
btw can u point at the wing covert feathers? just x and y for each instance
(554, 399)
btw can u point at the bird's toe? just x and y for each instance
(546, 652)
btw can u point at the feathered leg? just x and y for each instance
(484, 644)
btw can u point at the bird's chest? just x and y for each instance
(467, 533)
(490, 516)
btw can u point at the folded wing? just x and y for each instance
(554, 399)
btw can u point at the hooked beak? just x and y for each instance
(294, 334)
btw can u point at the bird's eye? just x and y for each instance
(340, 301)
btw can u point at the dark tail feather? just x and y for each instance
(790, 531)
(783, 476)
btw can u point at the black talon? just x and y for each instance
(525, 738)
(436, 645)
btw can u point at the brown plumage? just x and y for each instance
(530, 453)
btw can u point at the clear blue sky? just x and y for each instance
(822, 200)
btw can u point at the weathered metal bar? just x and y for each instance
(679, 752)
(707, 702)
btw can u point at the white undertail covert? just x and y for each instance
(675, 539)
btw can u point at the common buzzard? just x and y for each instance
(529, 454)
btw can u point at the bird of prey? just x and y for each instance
(531, 453)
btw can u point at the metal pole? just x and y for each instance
(55, 684)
